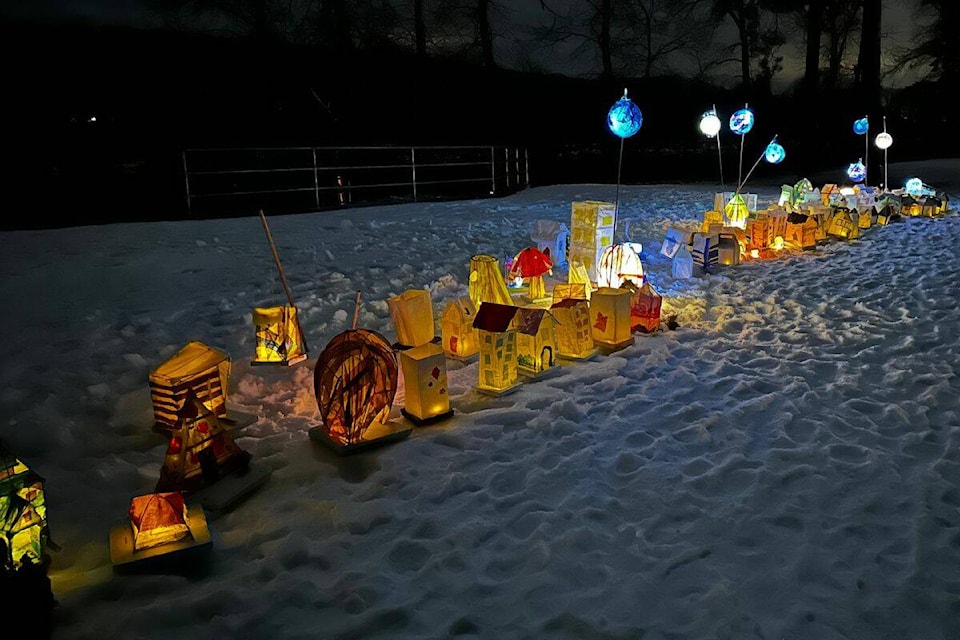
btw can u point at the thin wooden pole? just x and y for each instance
(356, 310)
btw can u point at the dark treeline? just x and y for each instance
(98, 117)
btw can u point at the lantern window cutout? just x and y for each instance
(728, 249)
(537, 347)
(161, 530)
(201, 452)
(610, 318)
(24, 534)
(574, 330)
(682, 264)
(619, 264)
(645, 309)
(457, 334)
(497, 373)
(552, 237)
(578, 275)
(706, 250)
(591, 231)
(196, 368)
(842, 224)
(355, 381)
(279, 336)
(486, 281)
(426, 396)
(412, 316)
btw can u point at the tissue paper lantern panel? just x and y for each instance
(497, 371)
(610, 318)
(426, 399)
(457, 334)
(279, 339)
(574, 331)
(412, 316)
(196, 368)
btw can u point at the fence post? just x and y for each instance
(506, 166)
(493, 172)
(186, 184)
(413, 168)
(516, 166)
(526, 167)
(316, 180)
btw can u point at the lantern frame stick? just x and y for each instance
(723, 185)
(616, 200)
(749, 173)
(283, 276)
(742, 136)
(356, 310)
(886, 185)
(866, 152)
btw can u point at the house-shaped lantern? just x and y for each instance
(486, 281)
(161, 527)
(195, 368)
(801, 232)
(610, 318)
(425, 384)
(536, 340)
(355, 382)
(23, 514)
(931, 207)
(758, 233)
(279, 337)
(497, 372)
(842, 225)
(412, 315)
(645, 309)
(591, 231)
(674, 239)
(552, 237)
(458, 336)
(910, 206)
(711, 219)
(574, 333)
(200, 451)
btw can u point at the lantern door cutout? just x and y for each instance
(426, 395)
(199, 369)
(458, 337)
(162, 532)
(24, 534)
(412, 316)
(279, 336)
(355, 381)
(497, 371)
(610, 318)
(574, 331)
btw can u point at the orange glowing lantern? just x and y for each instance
(458, 337)
(425, 384)
(842, 225)
(197, 369)
(279, 337)
(610, 318)
(645, 309)
(161, 528)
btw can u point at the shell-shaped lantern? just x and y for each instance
(355, 381)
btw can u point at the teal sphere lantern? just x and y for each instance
(861, 126)
(914, 186)
(624, 118)
(741, 121)
(774, 153)
(857, 171)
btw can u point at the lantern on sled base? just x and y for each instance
(279, 338)
(425, 384)
(610, 317)
(355, 381)
(161, 530)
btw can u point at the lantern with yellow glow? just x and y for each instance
(910, 206)
(279, 337)
(23, 514)
(591, 231)
(576, 291)
(578, 275)
(610, 318)
(486, 281)
(930, 207)
(620, 263)
(536, 340)
(197, 369)
(728, 249)
(531, 264)
(645, 309)
(574, 332)
(200, 450)
(458, 337)
(497, 373)
(161, 528)
(842, 225)
(711, 218)
(412, 315)
(426, 400)
(355, 381)
(758, 233)
(801, 232)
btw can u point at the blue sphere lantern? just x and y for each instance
(914, 186)
(861, 126)
(857, 171)
(741, 121)
(624, 118)
(775, 153)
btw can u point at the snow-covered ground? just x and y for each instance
(784, 465)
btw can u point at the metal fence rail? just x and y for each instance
(298, 179)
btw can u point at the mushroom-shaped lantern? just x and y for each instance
(532, 264)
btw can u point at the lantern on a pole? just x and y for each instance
(710, 126)
(861, 127)
(624, 119)
(884, 141)
(857, 172)
(741, 122)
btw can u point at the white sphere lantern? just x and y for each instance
(710, 124)
(884, 140)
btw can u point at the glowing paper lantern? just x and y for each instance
(741, 122)
(775, 153)
(610, 317)
(620, 263)
(279, 337)
(645, 309)
(458, 337)
(914, 186)
(486, 281)
(532, 264)
(861, 126)
(412, 315)
(161, 527)
(23, 514)
(536, 340)
(857, 171)
(425, 384)
(497, 372)
(884, 140)
(574, 335)
(710, 124)
(624, 118)
(197, 369)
